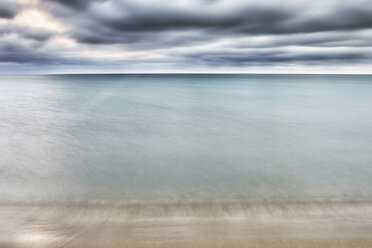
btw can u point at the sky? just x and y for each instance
(187, 36)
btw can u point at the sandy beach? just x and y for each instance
(320, 224)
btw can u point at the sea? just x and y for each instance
(149, 138)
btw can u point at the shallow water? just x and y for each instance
(189, 225)
(134, 138)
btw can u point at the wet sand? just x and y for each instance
(263, 243)
(320, 224)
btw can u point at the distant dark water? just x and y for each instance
(185, 137)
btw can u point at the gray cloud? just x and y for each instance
(22, 32)
(268, 57)
(125, 20)
(35, 54)
(199, 33)
(73, 4)
(8, 9)
(23, 51)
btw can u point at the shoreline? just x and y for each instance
(257, 243)
(187, 225)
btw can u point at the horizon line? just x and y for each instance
(177, 73)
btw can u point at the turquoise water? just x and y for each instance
(132, 138)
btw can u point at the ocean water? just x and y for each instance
(150, 138)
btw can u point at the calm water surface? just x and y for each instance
(185, 137)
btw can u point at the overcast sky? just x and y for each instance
(253, 36)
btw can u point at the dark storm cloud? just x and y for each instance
(8, 9)
(132, 22)
(196, 33)
(23, 51)
(35, 54)
(268, 57)
(341, 18)
(73, 4)
(318, 39)
(22, 32)
(175, 19)
(127, 21)
(16, 53)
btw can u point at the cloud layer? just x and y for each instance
(8, 9)
(185, 35)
